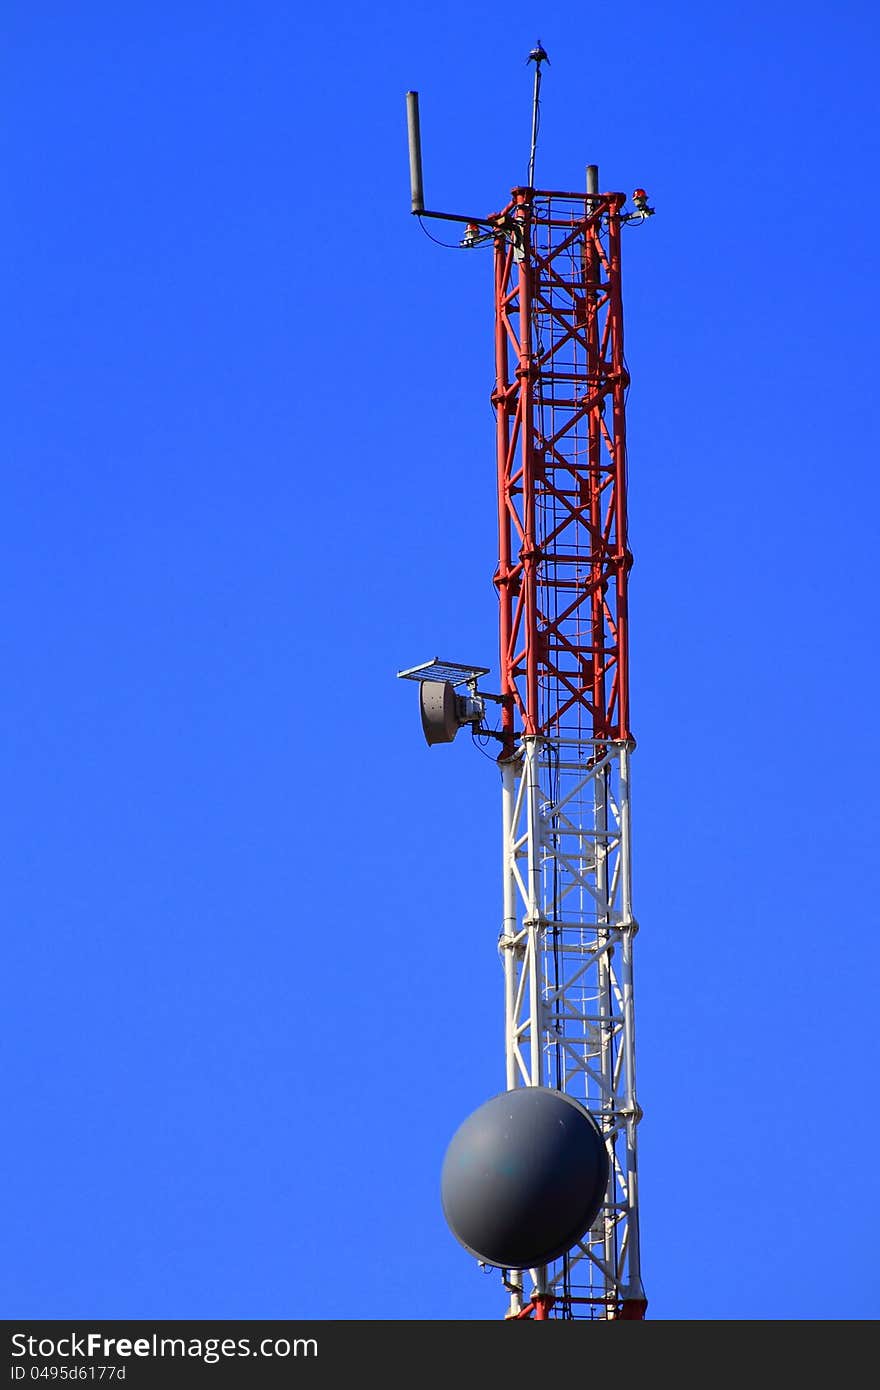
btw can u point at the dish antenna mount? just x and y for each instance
(444, 711)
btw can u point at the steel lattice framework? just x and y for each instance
(568, 927)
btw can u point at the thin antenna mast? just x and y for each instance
(537, 56)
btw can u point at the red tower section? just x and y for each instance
(560, 394)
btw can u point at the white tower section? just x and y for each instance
(566, 945)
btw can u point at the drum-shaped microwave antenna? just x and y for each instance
(438, 704)
(443, 711)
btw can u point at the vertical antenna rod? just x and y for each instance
(415, 170)
(415, 152)
(537, 56)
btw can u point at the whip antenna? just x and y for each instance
(537, 56)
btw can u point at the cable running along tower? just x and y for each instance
(564, 1231)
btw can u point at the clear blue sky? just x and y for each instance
(249, 917)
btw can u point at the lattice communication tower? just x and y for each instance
(565, 733)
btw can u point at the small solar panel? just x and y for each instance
(436, 670)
